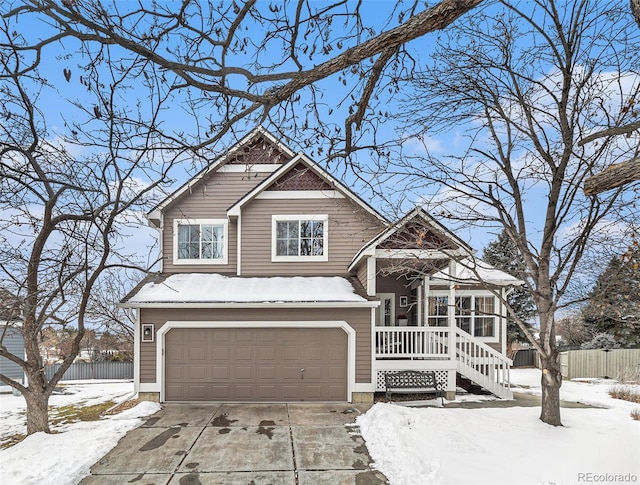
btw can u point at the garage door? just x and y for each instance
(256, 364)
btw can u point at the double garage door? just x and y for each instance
(256, 364)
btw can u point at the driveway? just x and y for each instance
(284, 444)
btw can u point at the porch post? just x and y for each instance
(371, 276)
(419, 294)
(425, 285)
(451, 307)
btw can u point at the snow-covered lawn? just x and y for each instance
(65, 456)
(409, 445)
(508, 445)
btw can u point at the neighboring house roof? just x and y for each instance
(212, 289)
(472, 271)
(11, 323)
(301, 158)
(368, 249)
(254, 135)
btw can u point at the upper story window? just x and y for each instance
(200, 241)
(299, 238)
(475, 314)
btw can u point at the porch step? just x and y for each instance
(470, 386)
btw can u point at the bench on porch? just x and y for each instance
(413, 381)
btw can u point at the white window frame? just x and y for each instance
(324, 218)
(193, 222)
(497, 311)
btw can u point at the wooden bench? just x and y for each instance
(413, 381)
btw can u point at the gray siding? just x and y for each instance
(14, 342)
(358, 318)
(209, 199)
(361, 272)
(349, 228)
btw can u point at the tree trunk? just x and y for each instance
(37, 411)
(37, 398)
(551, 382)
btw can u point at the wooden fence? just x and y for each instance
(621, 364)
(97, 370)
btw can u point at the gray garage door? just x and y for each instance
(256, 364)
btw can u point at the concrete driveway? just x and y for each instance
(284, 444)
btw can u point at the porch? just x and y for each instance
(445, 350)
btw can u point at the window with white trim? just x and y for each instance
(200, 241)
(475, 314)
(299, 238)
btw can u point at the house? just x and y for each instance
(11, 338)
(278, 283)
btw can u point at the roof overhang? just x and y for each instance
(273, 304)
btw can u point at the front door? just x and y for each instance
(386, 312)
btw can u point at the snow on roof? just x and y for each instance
(474, 270)
(216, 288)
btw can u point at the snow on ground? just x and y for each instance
(508, 446)
(433, 445)
(65, 457)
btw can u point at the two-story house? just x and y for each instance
(278, 283)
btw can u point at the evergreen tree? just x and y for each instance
(614, 302)
(503, 255)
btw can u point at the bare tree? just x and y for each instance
(90, 100)
(65, 202)
(239, 61)
(525, 84)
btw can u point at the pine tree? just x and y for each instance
(503, 255)
(614, 303)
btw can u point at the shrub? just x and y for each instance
(625, 392)
(635, 414)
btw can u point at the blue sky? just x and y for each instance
(56, 104)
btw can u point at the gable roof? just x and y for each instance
(462, 248)
(301, 158)
(234, 151)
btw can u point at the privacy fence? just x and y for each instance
(621, 364)
(97, 370)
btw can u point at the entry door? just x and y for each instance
(386, 312)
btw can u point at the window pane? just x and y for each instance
(207, 250)
(187, 245)
(305, 247)
(292, 229)
(281, 230)
(463, 313)
(292, 247)
(318, 247)
(305, 228)
(484, 327)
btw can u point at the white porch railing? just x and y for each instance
(412, 342)
(474, 359)
(483, 365)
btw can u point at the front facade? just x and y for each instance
(279, 284)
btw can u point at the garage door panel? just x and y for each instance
(196, 373)
(266, 392)
(265, 354)
(267, 373)
(220, 372)
(220, 353)
(244, 372)
(197, 354)
(256, 364)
